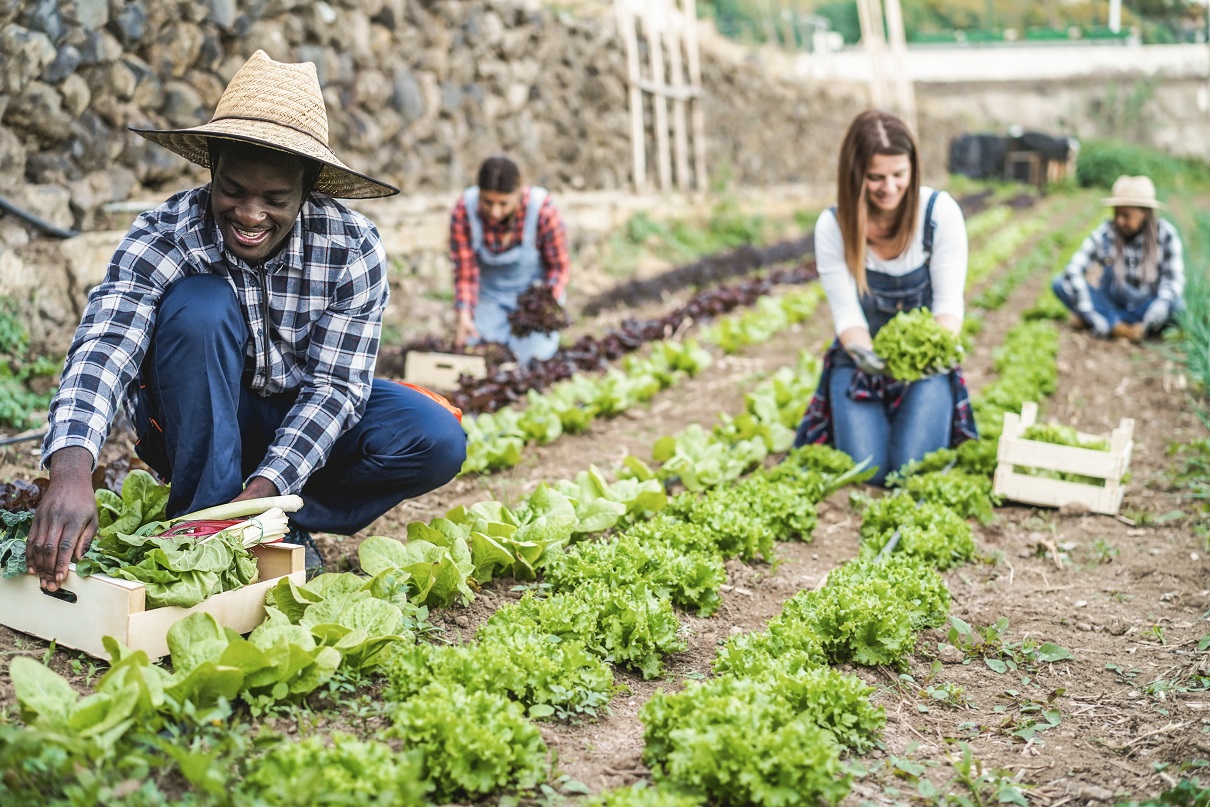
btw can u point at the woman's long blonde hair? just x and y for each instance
(1149, 260)
(873, 132)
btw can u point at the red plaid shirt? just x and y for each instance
(552, 246)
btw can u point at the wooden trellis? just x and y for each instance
(665, 31)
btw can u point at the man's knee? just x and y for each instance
(445, 449)
(197, 305)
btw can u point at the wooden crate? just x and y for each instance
(441, 370)
(86, 609)
(1108, 465)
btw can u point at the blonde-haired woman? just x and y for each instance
(1142, 283)
(889, 245)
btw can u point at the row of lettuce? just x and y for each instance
(459, 719)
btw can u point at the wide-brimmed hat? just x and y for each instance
(279, 106)
(1128, 191)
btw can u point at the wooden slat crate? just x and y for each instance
(1041, 490)
(111, 606)
(441, 370)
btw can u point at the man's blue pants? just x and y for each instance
(200, 426)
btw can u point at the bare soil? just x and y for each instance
(1127, 595)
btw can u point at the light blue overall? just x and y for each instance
(505, 275)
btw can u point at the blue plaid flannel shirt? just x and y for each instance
(326, 291)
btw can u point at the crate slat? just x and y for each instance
(441, 370)
(109, 606)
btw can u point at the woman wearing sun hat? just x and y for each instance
(240, 323)
(1142, 270)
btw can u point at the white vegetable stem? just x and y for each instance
(271, 525)
(247, 507)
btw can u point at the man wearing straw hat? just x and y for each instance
(240, 321)
(1142, 279)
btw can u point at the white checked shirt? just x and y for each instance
(1099, 247)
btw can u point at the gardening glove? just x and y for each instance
(1097, 322)
(867, 360)
(1157, 314)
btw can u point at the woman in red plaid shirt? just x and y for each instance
(504, 238)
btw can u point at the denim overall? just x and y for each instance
(922, 420)
(503, 276)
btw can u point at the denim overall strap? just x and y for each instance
(889, 295)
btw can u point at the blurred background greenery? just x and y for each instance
(795, 23)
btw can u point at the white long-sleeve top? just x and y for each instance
(947, 268)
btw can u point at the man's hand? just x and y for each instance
(867, 360)
(66, 519)
(1157, 314)
(464, 329)
(257, 488)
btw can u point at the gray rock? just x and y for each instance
(210, 54)
(92, 14)
(175, 50)
(51, 203)
(183, 105)
(406, 97)
(100, 47)
(76, 95)
(27, 53)
(47, 169)
(66, 61)
(12, 157)
(95, 144)
(38, 111)
(222, 13)
(130, 24)
(451, 97)
(45, 16)
(148, 89)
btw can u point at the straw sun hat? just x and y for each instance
(1128, 191)
(280, 106)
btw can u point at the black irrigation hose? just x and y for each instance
(42, 224)
(21, 438)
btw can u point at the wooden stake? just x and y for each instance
(905, 94)
(638, 151)
(680, 133)
(872, 39)
(697, 116)
(653, 27)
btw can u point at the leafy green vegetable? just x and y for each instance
(914, 344)
(548, 678)
(437, 573)
(142, 502)
(1062, 435)
(773, 740)
(625, 625)
(12, 542)
(337, 770)
(176, 570)
(689, 577)
(472, 742)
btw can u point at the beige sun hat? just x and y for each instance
(280, 106)
(1128, 191)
